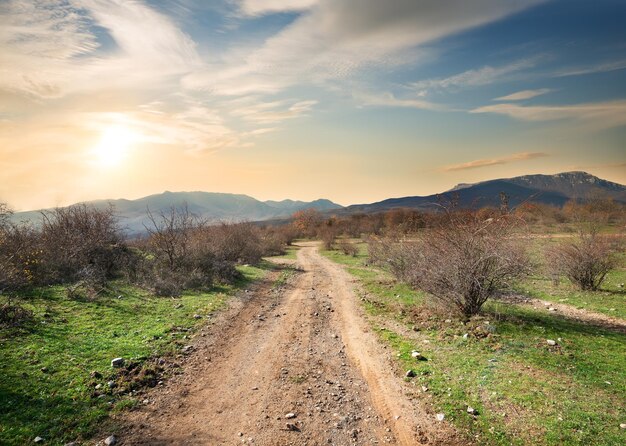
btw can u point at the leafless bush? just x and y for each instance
(585, 260)
(348, 248)
(462, 262)
(14, 315)
(79, 238)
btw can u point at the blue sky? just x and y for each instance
(353, 100)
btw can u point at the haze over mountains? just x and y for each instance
(549, 189)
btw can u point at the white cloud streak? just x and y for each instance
(524, 95)
(599, 114)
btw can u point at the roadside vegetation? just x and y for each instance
(75, 294)
(463, 298)
(518, 371)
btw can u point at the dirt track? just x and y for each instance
(303, 349)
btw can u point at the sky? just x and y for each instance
(350, 100)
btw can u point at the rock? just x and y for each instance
(117, 362)
(466, 335)
(447, 321)
(418, 356)
(38, 440)
(110, 441)
(409, 374)
(471, 410)
(187, 348)
(98, 386)
(551, 309)
(290, 415)
(424, 389)
(440, 417)
(292, 427)
(622, 426)
(111, 384)
(551, 342)
(95, 374)
(197, 316)
(44, 369)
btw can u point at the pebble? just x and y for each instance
(110, 441)
(197, 316)
(38, 440)
(409, 374)
(117, 362)
(440, 417)
(290, 415)
(622, 426)
(471, 410)
(551, 342)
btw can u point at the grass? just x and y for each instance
(524, 391)
(45, 385)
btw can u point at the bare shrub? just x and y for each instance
(79, 241)
(349, 249)
(585, 260)
(461, 262)
(14, 315)
(170, 233)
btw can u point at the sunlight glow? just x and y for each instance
(114, 145)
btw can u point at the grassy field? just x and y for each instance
(523, 390)
(48, 388)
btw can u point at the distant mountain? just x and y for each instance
(548, 189)
(212, 206)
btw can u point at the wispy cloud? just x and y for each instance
(599, 114)
(262, 7)
(523, 156)
(591, 69)
(389, 100)
(335, 40)
(523, 95)
(477, 77)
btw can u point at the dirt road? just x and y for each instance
(290, 366)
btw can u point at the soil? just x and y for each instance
(290, 365)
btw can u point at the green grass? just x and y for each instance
(525, 392)
(72, 338)
(291, 253)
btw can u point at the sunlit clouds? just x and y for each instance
(98, 98)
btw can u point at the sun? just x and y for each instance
(114, 145)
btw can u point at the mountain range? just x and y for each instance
(548, 189)
(554, 190)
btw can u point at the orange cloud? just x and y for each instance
(494, 161)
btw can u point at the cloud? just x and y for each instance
(389, 100)
(262, 7)
(599, 114)
(50, 48)
(473, 78)
(523, 95)
(495, 161)
(591, 69)
(272, 112)
(334, 40)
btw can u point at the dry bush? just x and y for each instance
(461, 262)
(14, 315)
(80, 243)
(349, 249)
(585, 260)
(20, 257)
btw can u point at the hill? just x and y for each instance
(555, 190)
(211, 206)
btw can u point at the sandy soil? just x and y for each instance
(303, 349)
